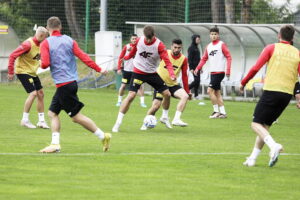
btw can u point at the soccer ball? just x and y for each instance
(150, 121)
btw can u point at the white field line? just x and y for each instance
(136, 154)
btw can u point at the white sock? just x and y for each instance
(165, 113)
(255, 153)
(177, 115)
(55, 138)
(41, 117)
(222, 110)
(216, 108)
(269, 141)
(142, 100)
(120, 98)
(120, 118)
(25, 116)
(99, 133)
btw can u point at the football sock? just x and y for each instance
(25, 116)
(142, 98)
(120, 98)
(177, 115)
(120, 118)
(55, 138)
(216, 108)
(222, 110)
(99, 133)
(41, 117)
(255, 153)
(165, 113)
(269, 141)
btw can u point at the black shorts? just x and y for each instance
(297, 88)
(65, 98)
(215, 81)
(126, 77)
(173, 89)
(270, 106)
(30, 83)
(152, 79)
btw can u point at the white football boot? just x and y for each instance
(274, 154)
(27, 124)
(166, 121)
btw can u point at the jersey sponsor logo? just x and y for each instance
(137, 81)
(145, 54)
(214, 52)
(37, 57)
(30, 80)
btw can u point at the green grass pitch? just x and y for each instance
(201, 161)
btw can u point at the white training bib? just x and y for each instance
(216, 57)
(147, 57)
(128, 64)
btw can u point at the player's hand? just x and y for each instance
(242, 89)
(10, 77)
(173, 78)
(196, 72)
(228, 76)
(119, 71)
(190, 96)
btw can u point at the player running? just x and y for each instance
(283, 67)
(217, 53)
(180, 64)
(59, 51)
(126, 71)
(148, 51)
(27, 57)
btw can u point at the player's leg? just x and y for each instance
(28, 84)
(158, 84)
(221, 106)
(120, 94)
(40, 104)
(268, 109)
(183, 98)
(126, 77)
(142, 97)
(90, 125)
(53, 113)
(135, 84)
(214, 101)
(258, 145)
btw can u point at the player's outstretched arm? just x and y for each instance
(84, 57)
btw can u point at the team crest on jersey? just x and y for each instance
(145, 54)
(214, 52)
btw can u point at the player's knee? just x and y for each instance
(33, 94)
(40, 94)
(51, 114)
(185, 97)
(166, 93)
(210, 91)
(131, 96)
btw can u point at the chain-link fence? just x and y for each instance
(81, 18)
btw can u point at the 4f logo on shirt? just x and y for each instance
(37, 57)
(214, 52)
(145, 54)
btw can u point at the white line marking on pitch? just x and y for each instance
(133, 154)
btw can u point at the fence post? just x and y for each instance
(187, 11)
(87, 24)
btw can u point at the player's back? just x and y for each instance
(63, 63)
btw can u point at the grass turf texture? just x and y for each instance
(82, 171)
